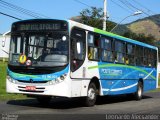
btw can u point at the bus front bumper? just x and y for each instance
(59, 89)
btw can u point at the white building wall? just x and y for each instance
(4, 45)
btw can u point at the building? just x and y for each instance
(4, 45)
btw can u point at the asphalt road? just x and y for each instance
(62, 108)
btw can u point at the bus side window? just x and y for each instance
(155, 58)
(93, 53)
(78, 50)
(106, 46)
(93, 47)
(119, 52)
(139, 55)
(130, 54)
(152, 58)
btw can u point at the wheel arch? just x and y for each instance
(96, 81)
(142, 81)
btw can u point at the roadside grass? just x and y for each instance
(158, 89)
(3, 94)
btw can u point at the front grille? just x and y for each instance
(23, 81)
(31, 91)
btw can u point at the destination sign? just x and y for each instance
(40, 26)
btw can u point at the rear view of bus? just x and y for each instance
(38, 59)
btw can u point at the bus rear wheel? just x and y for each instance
(91, 95)
(139, 92)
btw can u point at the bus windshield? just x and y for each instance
(41, 50)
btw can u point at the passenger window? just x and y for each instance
(145, 57)
(130, 59)
(93, 53)
(107, 53)
(93, 47)
(106, 43)
(139, 55)
(119, 52)
(78, 51)
(152, 58)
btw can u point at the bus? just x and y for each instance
(63, 58)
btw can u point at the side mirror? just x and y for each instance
(78, 47)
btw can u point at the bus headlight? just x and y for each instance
(51, 82)
(57, 80)
(11, 80)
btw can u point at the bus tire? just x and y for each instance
(138, 94)
(44, 100)
(91, 95)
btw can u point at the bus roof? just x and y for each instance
(114, 35)
(31, 20)
(96, 31)
(124, 38)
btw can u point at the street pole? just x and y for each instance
(120, 22)
(105, 15)
(135, 13)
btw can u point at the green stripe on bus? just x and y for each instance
(124, 66)
(108, 33)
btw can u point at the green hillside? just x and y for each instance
(148, 25)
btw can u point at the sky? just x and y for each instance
(65, 9)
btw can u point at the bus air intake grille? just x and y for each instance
(31, 91)
(23, 81)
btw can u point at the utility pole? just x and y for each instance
(105, 15)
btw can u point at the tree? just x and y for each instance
(94, 17)
(149, 39)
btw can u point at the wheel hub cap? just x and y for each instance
(91, 93)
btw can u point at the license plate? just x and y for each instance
(31, 88)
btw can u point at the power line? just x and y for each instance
(120, 6)
(148, 15)
(143, 6)
(83, 3)
(10, 16)
(15, 8)
(124, 3)
(22, 10)
(10, 10)
(136, 8)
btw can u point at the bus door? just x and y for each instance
(78, 52)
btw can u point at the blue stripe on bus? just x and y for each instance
(121, 79)
(45, 77)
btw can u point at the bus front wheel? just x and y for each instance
(91, 95)
(139, 92)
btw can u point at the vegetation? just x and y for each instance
(3, 94)
(140, 37)
(94, 17)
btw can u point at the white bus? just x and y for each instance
(67, 59)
